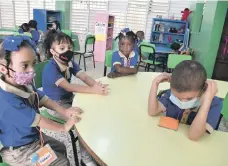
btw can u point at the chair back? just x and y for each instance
(39, 67)
(175, 59)
(108, 58)
(146, 48)
(67, 31)
(90, 41)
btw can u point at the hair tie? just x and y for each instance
(12, 43)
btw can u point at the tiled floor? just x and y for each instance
(96, 73)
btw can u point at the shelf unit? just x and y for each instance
(45, 18)
(104, 27)
(169, 37)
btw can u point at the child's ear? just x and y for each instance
(52, 51)
(3, 69)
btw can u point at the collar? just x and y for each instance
(132, 54)
(9, 88)
(63, 67)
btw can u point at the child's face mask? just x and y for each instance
(194, 103)
(66, 56)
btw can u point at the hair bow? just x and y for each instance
(124, 31)
(12, 43)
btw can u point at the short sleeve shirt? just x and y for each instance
(187, 116)
(19, 114)
(53, 74)
(119, 58)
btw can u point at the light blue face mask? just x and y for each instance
(194, 103)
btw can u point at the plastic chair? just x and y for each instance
(108, 61)
(68, 32)
(39, 67)
(90, 40)
(149, 48)
(224, 112)
(175, 59)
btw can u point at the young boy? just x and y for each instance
(191, 99)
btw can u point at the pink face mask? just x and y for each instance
(23, 78)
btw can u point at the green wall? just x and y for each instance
(65, 7)
(205, 42)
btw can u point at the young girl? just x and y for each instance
(33, 30)
(20, 101)
(56, 78)
(23, 28)
(57, 73)
(124, 61)
(56, 26)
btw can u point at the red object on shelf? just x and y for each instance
(185, 14)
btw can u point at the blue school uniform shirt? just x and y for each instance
(53, 74)
(187, 116)
(119, 58)
(35, 36)
(19, 114)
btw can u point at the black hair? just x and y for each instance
(25, 27)
(130, 35)
(58, 26)
(53, 36)
(5, 54)
(140, 35)
(33, 24)
(175, 46)
(188, 76)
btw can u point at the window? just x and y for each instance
(7, 14)
(21, 11)
(35, 5)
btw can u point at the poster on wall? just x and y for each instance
(100, 31)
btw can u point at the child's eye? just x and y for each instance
(25, 66)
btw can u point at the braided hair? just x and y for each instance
(130, 35)
(54, 36)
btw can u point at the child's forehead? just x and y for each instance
(63, 42)
(125, 40)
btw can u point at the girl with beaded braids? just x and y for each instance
(124, 61)
(20, 101)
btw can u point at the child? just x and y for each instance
(124, 61)
(140, 38)
(56, 26)
(20, 101)
(23, 28)
(57, 73)
(191, 99)
(57, 76)
(33, 30)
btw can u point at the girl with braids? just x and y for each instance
(124, 61)
(56, 77)
(20, 101)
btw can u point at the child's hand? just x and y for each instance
(71, 122)
(73, 111)
(100, 89)
(164, 77)
(100, 84)
(210, 92)
(113, 75)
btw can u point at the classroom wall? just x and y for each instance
(65, 7)
(205, 42)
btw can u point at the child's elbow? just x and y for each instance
(151, 113)
(193, 137)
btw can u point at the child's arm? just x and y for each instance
(85, 78)
(199, 124)
(154, 107)
(125, 70)
(95, 89)
(51, 125)
(66, 113)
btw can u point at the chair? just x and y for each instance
(224, 112)
(108, 61)
(149, 48)
(68, 32)
(175, 59)
(90, 40)
(38, 83)
(39, 69)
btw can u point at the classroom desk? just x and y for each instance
(117, 130)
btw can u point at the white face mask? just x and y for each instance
(194, 103)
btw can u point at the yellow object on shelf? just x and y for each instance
(100, 37)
